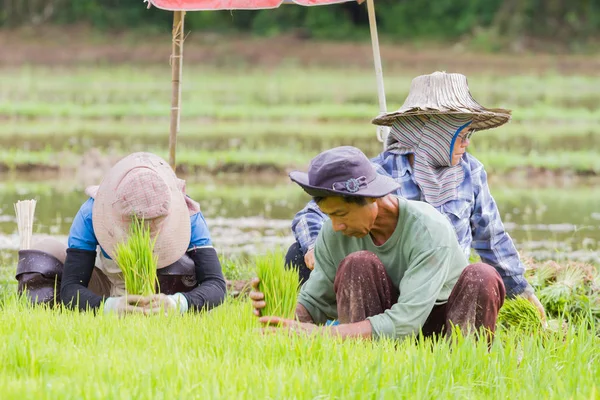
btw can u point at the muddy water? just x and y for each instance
(245, 218)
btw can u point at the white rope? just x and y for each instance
(382, 131)
(25, 211)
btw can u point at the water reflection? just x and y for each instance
(251, 218)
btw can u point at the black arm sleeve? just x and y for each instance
(74, 293)
(211, 288)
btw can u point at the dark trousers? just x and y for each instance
(294, 258)
(363, 288)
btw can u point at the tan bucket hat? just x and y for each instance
(143, 184)
(444, 93)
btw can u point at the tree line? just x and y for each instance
(492, 23)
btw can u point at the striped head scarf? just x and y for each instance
(432, 143)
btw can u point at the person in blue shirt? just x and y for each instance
(189, 272)
(426, 154)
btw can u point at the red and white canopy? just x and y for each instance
(206, 5)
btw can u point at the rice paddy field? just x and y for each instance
(244, 125)
(223, 355)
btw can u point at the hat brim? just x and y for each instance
(491, 118)
(381, 186)
(110, 228)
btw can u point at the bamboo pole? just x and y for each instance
(176, 72)
(382, 131)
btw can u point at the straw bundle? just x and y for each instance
(25, 210)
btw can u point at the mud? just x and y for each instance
(91, 166)
(60, 46)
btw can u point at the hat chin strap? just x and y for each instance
(458, 131)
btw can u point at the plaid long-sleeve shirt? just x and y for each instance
(474, 215)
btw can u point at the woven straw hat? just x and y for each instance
(144, 185)
(443, 93)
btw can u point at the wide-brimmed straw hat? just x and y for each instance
(444, 93)
(343, 171)
(144, 185)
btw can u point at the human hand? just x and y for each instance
(122, 305)
(532, 298)
(274, 324)
(134, 304)
(163, 303)
(309, 259)
(257, 297)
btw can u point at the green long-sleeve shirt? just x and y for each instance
(422, 257)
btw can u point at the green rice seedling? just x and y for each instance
(279, 284)
(520, 314)
(542, 274)
(44, 353)
(559, 297)
(136, 259)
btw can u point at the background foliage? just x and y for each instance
(493, 24)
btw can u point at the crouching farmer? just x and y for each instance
(189, 272)
(385, 266)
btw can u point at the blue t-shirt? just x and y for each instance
(82, 234)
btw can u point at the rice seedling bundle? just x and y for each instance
(567, 291)
(519, 313)
(279, 284)
(137, 261)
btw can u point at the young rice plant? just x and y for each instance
(279, 284)
(519, 313)
(136, 259)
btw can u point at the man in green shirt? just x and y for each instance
(385, 266)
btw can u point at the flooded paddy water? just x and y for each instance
(244, 129)
(249, 215)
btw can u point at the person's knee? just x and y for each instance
(480, 272)
(360, 262)
(294, 256)
(295, 259)
(39, 273)
(484, 275)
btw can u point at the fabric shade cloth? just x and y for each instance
(206, 5)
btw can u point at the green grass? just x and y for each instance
(283, 117)
(279, 160)
(78, 134)
(222, 354)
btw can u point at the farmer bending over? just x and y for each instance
(189, 273)
(384, 266)
(426, 155)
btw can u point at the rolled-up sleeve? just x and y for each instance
(200, 236)
(491, 241)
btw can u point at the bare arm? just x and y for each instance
(360, 329)
(302, 314)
